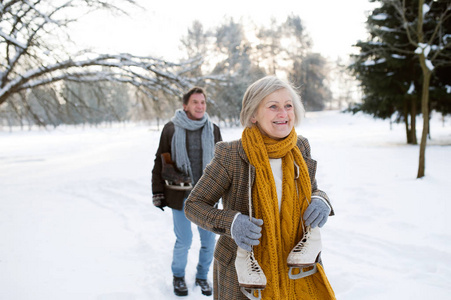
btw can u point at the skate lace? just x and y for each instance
(300, 247)
(253, 266)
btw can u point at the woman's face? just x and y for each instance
(275, 115)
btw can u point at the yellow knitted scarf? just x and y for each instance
(282, 230)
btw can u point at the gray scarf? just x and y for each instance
(178, 145)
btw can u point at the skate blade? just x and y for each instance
(302, 273)
(253, 286)
(250, 294)
(170, 186)
(179, 188)
(301, 266)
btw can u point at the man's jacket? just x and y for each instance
(174, 198)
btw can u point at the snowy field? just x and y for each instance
(77, 220)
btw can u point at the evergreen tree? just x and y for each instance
(389, 70)
(417, 34)
(390, 80)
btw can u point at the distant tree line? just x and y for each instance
(42, 83)
(239, 55)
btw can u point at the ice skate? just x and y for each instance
(173, 178)
(250, 276)
(305, 254)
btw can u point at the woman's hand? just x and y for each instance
(316, 213)
(246, 232)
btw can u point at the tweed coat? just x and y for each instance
(174, 198)
(227, 177)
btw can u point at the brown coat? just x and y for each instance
(174, 199)
(227, 177)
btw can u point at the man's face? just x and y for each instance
(196, 107)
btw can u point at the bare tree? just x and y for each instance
(33, 55)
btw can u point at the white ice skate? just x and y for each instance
(305, 254)
(250, 276)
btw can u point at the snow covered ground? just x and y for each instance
(77, 220)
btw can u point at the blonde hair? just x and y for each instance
(263, 87)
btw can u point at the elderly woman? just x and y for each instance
(268, 175)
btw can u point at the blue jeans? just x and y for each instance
(184, 237)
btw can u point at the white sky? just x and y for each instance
(333, 25)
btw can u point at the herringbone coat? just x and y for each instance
(227, 177)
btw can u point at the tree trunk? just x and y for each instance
(413, 123)
(425, 92)
(429, 124)
(410, 110)
(406, 121)
(425, 112)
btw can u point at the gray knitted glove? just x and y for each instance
(246, 233)
(159, 201)
(316, 213)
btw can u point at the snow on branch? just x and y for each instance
(139, 71)
(429, 65)
(11, 39)
(27, 60)
(426, 9)
(387, 29)
(411, 88)
(380, 17)
(423, 48)
(372, 62)
(446, 38)
(397, 56)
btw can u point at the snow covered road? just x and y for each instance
(77, 220)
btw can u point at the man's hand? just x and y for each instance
(159, 201)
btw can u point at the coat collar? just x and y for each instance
(241, 151)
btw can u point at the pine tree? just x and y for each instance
(389, 79)
(409, 41)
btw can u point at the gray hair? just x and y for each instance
(263, 87)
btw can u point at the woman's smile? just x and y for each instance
(275, 115)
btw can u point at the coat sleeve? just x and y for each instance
(200, 206)
(306, 152)
(217, 134)
(164, 146)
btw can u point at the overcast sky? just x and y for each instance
(333, 25)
